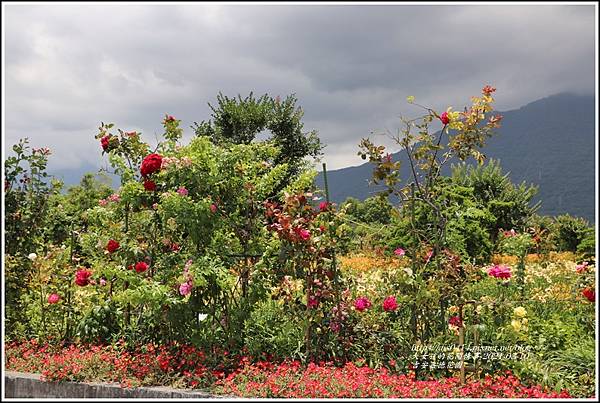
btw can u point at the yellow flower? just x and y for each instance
(453, 309)
(524, 321)
(520, 312)
(516, 324)
(410, 99)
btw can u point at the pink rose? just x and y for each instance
(185, 288)
(53, 298)
(399, 252)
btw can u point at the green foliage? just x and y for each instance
(569, 232)
(271, 330)
(27, 191)
(240, 120)
(509, 205)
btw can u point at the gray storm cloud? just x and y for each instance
(68, 67)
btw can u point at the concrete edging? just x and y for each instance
(27, 385)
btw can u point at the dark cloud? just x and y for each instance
(68, 67)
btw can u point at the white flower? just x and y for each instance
(202, 316)
(32, 256)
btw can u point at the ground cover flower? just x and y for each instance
(239, 375)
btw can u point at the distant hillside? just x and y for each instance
(549, 143)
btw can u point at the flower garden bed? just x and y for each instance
(189, 369)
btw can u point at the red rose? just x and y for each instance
(149, 185)
(444, 118)
(82, 277)
(590, 294)
(105, 142)
(151, 164)
(174, 247)
(455, 321)
(141, 267)
(112, 246)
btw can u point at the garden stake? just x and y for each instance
(461, 343)
(333, 259)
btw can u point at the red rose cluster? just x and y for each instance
(151, 164)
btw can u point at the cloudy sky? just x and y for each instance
(69, 67)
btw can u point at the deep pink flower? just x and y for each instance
(312, 302)
(53, 298)
(500, 271)
(323, 206)
(304, 234)
(213, 208)
(399, 252)
(362, 303)
(182, 191)
(82, 277)
(141, 267)
(444, 118)
(390, 304)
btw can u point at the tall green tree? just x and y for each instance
(241, 120)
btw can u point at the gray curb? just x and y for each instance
(26, 385)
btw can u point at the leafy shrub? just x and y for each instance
(270, 330)
(570, 231)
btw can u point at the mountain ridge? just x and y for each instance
(549, 142)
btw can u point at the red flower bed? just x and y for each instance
(187, 366)
(290, 380)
